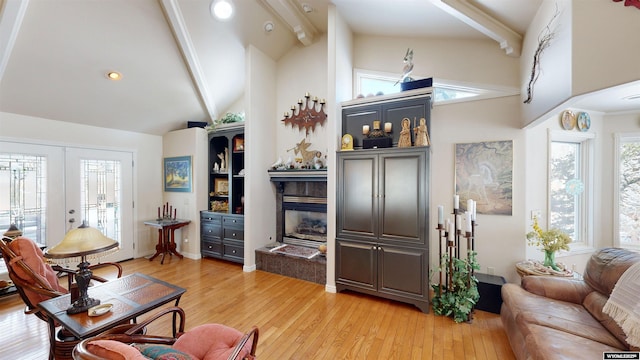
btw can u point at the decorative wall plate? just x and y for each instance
(584, 121)
(568, 120)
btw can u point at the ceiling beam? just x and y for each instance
(290, 13)
(509, 40)
(182, 36)
(11, 16)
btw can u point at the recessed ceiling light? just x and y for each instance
(113, 75)
(222, 9)
(307, 8)
(268, 26)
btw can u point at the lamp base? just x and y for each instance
(82, 305)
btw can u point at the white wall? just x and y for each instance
(147, 156)
(301, 70)
(479, 61)
(260, 140)
(339, 71)
(606, 51)
(500, 239)
(188, 142)
(553, 84)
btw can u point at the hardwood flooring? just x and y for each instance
(297, 319)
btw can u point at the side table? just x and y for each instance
(166, 236)
(490, 289)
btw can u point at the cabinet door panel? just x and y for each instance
(403, 271)
(403, 205)
(357, 196)
(354, 119)
(356, 264)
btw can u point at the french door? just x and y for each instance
(98, 192)
(48, 190)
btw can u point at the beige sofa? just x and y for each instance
(550, 317)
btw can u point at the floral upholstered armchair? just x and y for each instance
(203, 342)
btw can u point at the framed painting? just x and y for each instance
(484, 173)
(221, 186)
(177, 174)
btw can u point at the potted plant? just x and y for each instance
(228, 118)
(457, 298)
(551, 241)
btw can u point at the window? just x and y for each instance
(570, 186)
(368, 82)
(628, 191)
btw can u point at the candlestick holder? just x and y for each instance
(456, 293)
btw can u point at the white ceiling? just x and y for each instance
(178, 63)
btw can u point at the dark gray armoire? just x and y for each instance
(382, 239)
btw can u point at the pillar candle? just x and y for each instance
(174, 213)
(440, 214)
(451, 230)
(456, 201)
(387, 127)
(469, 206)
(458, 222)
(365, 129)
(468, 221)
(473, 211)
(158, 212)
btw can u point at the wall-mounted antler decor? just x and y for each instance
(306, 117)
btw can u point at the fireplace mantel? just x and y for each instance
(298, 175)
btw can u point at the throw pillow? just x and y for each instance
(161, 352)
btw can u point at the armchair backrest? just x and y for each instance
(33, 277)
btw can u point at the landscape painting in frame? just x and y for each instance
(177, 174)
(484, 173)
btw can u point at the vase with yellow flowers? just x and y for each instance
(550, 241)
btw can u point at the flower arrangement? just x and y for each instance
(550, 240)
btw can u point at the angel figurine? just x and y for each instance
(405, 134)
(422, 134)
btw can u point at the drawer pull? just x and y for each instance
(233, 251)
(234, 234)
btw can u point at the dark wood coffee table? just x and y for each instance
(131, 296)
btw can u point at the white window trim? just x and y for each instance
(587, 139)
(483, 91)
(618, 138)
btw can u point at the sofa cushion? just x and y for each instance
(528, 308)
(594, 303)
(114, 350)
(30, 253)
(547, 343)
(210, 342)
(605, 267)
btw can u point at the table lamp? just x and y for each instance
(82, 242)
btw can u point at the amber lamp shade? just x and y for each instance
(82, 242)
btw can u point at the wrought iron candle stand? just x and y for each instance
(449, 241)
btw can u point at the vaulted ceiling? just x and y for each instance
(179, 63)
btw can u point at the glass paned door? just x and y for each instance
(98, 195)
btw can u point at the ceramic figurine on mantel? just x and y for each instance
(223, 160)
(422, 134)
(405, 134)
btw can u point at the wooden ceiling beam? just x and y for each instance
(509, 40)
(291, 14)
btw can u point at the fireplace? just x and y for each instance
(304, 220)
(301, 226)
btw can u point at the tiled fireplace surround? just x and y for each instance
(314, 269)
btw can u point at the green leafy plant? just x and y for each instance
(228, 118)
(460, 298)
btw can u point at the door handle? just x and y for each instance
(72, 211)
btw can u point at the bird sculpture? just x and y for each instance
(408, 67)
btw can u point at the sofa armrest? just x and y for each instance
(558, 288)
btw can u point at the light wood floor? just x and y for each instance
(297, 319)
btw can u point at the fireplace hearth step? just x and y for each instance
(313, 269)
(294, 250)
